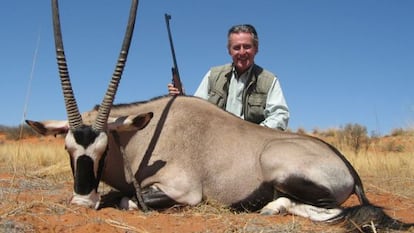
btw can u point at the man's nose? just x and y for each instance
(242, 50)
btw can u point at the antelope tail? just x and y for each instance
(367, 217)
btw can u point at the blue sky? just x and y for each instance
(338, 62)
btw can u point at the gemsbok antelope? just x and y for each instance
(183, 150)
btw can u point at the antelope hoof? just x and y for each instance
(127, 204)
(278, 206)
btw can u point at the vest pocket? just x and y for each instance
(257, 101)
(217, 99)
(256, 104)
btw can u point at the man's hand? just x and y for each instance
(173, 90)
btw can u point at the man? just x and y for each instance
(242, 87)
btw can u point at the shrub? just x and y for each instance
(354, 136)
(17, 132)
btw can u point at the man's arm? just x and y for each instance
(276, 112)
(202, 90)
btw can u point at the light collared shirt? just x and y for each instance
(234, 102)
(276, 112)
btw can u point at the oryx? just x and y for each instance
(183, 150)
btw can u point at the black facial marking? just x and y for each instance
(85, 180)
(85, 135)
(101, 167)
(84, 176)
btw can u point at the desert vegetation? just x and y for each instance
(33, 167)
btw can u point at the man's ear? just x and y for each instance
(131, 122)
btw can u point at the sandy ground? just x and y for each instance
(32, 204)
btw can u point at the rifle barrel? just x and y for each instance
(176, 75)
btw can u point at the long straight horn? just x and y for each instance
(74, 117)
(108, 100)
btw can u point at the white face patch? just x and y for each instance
(74, 149)
(95, 150)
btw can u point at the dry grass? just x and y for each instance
(387, 172)
(44, 158)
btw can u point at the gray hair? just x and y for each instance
(244, 28)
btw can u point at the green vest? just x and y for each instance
(254, 95)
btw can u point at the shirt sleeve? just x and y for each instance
(202, 90)
(276, 112)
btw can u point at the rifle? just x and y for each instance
(175, 75)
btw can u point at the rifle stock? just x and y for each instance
(176, 80)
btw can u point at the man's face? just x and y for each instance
(242, 50)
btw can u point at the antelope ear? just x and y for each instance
(130, 123)
(51, 127)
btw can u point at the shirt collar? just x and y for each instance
(246, 73)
